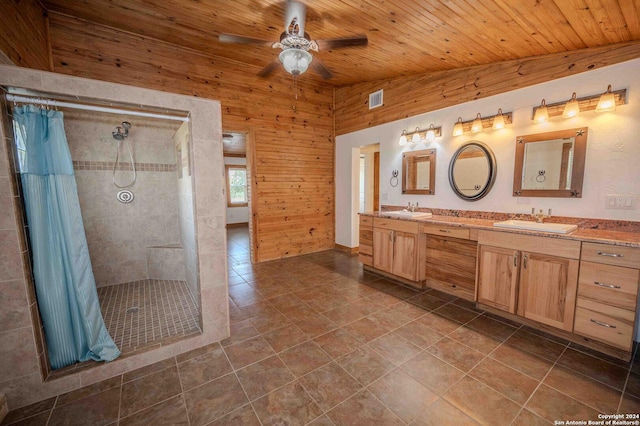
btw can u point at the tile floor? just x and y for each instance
(314, 340)
(146, 312)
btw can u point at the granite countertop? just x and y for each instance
(604, 236)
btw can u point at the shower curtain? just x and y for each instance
(65, 285)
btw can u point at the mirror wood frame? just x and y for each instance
(577, 172)
(412, 155)
(492, 172)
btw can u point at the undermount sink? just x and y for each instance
(406, 214)
(557, 228)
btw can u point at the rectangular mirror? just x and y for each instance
(419, 172)
(550, 164)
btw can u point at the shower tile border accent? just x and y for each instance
(108, 165)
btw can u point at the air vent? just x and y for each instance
(375, 99)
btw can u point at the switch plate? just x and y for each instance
(621, 201)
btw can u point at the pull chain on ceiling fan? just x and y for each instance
(296, 44)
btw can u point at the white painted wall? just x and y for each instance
(237, 214)
(612, 161)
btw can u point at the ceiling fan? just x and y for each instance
(296, 44)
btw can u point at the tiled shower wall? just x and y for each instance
(185, 206)
(118, 234)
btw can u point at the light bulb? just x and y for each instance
(607, 101)
(572, 108)
(403, 138)
(476, 126)
(458, 130)
(541, 114)
(498, 121)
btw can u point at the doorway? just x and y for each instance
(369, 179)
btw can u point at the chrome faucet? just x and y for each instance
(540, 216)
(412, 208)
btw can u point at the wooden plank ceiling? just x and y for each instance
(406, 37)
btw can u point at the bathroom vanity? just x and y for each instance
(581, 286)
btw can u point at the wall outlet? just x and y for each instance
(621, 201)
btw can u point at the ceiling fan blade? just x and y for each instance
(266, 71)
(319, 67)
(230, 38)
(339, 43)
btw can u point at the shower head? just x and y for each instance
(119, 136)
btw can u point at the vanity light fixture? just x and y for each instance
(476, 127)
(607, 101)
(572, 108)
(417, 136)
(542, 114)
(498, 121)
(403, 138)
(602, 102)
(458, 130)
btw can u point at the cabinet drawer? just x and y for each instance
(611, 255)
(446, 231)
(548, 245)
(613, 285)
(604, 323)
(395, 225)
(366, 221)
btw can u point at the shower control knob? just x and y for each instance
(125, 196)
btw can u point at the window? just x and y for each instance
(236, 186)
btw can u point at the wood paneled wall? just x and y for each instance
(409, 96)
(23, 34)
(292, 139)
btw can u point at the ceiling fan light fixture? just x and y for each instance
(295, 61)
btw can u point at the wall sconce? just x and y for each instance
(458, 128)
(417, 136)
(479, 123)
(541, 113)
(608, 101)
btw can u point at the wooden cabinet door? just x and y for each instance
(548, 286)
(383, 249)
(405, 255)
(498, 278)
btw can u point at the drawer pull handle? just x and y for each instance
(446, 231)
(606, 285)
(602, 253)
(602, 324)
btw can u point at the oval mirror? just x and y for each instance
(472, 171)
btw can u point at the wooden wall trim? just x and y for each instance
(413, 95)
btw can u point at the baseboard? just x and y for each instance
(351, 250)
(237, 225)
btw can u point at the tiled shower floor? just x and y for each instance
(145, 312)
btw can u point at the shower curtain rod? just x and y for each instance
(51, 102)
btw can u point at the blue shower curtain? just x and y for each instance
(65, 286)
